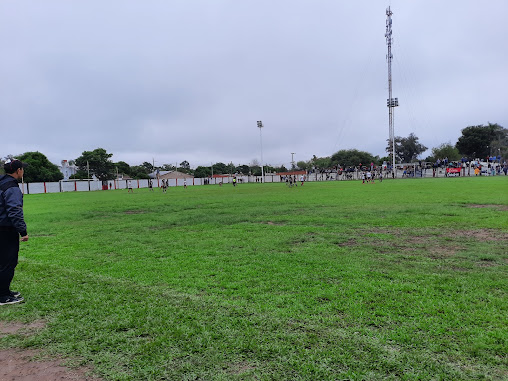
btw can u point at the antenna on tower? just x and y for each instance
(390, 102)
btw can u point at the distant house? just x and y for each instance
(175, 175)
(123, 176)
(156, 174)
(67, 169)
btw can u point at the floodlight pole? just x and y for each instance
(260, 126)
(390, 102)
(292, 161)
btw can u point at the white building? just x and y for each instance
(67, 169)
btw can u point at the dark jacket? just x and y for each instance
(11, 205)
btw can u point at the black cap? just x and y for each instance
(12, 165)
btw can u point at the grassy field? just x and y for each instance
(405, 279)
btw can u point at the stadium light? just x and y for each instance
(260, 126)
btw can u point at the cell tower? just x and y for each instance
(390, 102)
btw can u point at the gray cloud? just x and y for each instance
(174, 81)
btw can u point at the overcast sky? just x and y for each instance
(187, 80)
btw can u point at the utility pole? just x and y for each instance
(292, 161)
(390, 102)
(260, 126)
(88, 175)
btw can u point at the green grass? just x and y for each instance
(405, 279)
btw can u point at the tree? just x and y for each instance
(445, 150)
(139, 172)
(185, 164)
(243, 169)
(79, 175)
(148, 166)
(220, 168)
(352, 158)
(255, 170)
(167, 167)
(321, 162)
(269, 169)
(231, 168)
(202, 172)
(98, 162)
(123, 168)
(302, 165)
(406, 149)
(2, 161)
(39, 168)
(499, 145)
(482, 141)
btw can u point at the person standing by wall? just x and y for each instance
(12, 226)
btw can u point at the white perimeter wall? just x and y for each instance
(84, 186)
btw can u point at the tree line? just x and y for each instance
(475, 142)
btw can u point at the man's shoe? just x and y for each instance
(15, 294)
(10, 300)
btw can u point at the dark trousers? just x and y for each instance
(9, 248)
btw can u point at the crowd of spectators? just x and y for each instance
(441, 167)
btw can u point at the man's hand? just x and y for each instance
(24, 238)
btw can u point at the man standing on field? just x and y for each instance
(12, 226)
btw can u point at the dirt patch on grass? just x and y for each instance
(423, 237)
(349, 242)
(483, 234)
(273, 223)
(134, 212)
(20, 328)
(410, 242)
(241, 368)
(21, 365)
(486, 264)
(27, 364)
(436, 243)
(503, 208)
(432, 250)
(440, 252)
